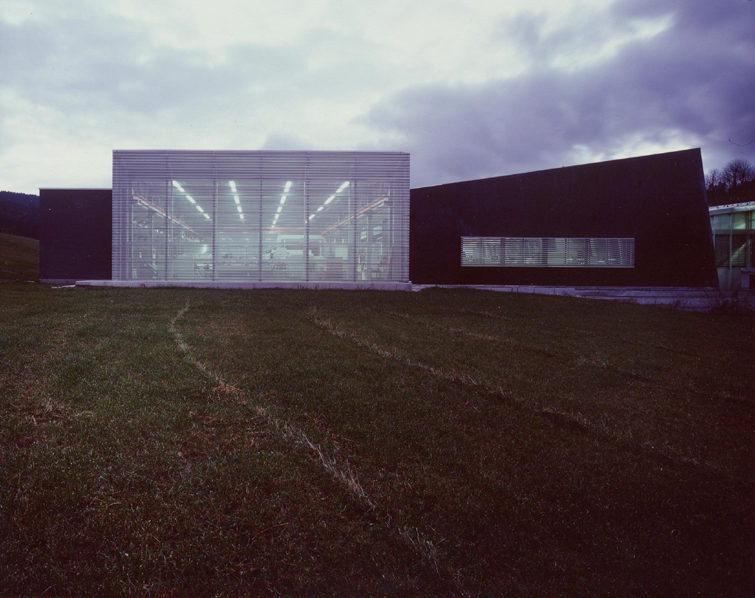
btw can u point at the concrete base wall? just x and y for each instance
(193, 284)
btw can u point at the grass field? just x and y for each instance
(19, 258)
(443, 443)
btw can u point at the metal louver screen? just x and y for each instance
(547, 252)
(261, 216)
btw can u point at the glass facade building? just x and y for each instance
(733, 228)
(258, 216)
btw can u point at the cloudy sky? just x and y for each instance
(470, 88)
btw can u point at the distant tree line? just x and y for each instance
(734, 183)
(19, 214)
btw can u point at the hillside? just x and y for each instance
(19, 214)
(19, 258)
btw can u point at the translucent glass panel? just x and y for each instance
(739, 220)
(722, 250)
(738, 251)
(284, 230)
(721, 222)
(547, 252)
(330, 218)
(146, 230)
(191, 217)
(260, 216)
(237, 235)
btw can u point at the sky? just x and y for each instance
(470, 89)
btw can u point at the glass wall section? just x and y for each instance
(331, 230)
(191, 218)
(375, 231)
(734, 242)
(261, 216)
(237, 236)
(146, 230)
(284, 241)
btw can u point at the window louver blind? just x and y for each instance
(260, 216)
(547, 252)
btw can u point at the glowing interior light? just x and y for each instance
(319, 209)
(236, 199)
(241, 216)
(206, 216)
(239, 209)
(312, 216)
(190, 198)
(178, 186)
(331, 198)
(279, 209)
(200, 209)
(283, 199)
(233, 186)
(342, 187)
(288, 186)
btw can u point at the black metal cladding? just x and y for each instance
(75, 231)
(657, 200)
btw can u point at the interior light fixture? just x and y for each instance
(241, 216)
(233, 186)
(190, 198)
(239, 209)
(342, 187)
(200, 209)
(319, 209)
(331, 198)
(279, 209)
(206, 216)
(283, 199)
(236, 199)
(312, 216)
(288, 186)
(178, 186)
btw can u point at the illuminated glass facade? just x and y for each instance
(733, 228)
(310, 217)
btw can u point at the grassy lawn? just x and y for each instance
(222, 443)
(19, 258)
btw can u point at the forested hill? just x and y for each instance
(19, 214)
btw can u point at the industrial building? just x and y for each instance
(348, 220)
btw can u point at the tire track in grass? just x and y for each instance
(570, 418)
(343, 472)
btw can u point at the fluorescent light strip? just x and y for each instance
(319, 209)
(288, 186)
(206, 216)
(331, 198)
(236, 199)
(241, 216)
(342, 187)
(239, 209)
(279, 209)
(178, 186)
(283, 199)
(312, 216)
(191, 199)
(200, 209)
(233, 186)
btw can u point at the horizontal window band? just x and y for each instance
(547, 252)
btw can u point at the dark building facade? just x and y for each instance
(75, 230)
(633, 222)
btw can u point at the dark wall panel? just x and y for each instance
(75, 227)
(657, 200)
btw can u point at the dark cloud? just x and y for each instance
(695, 81)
